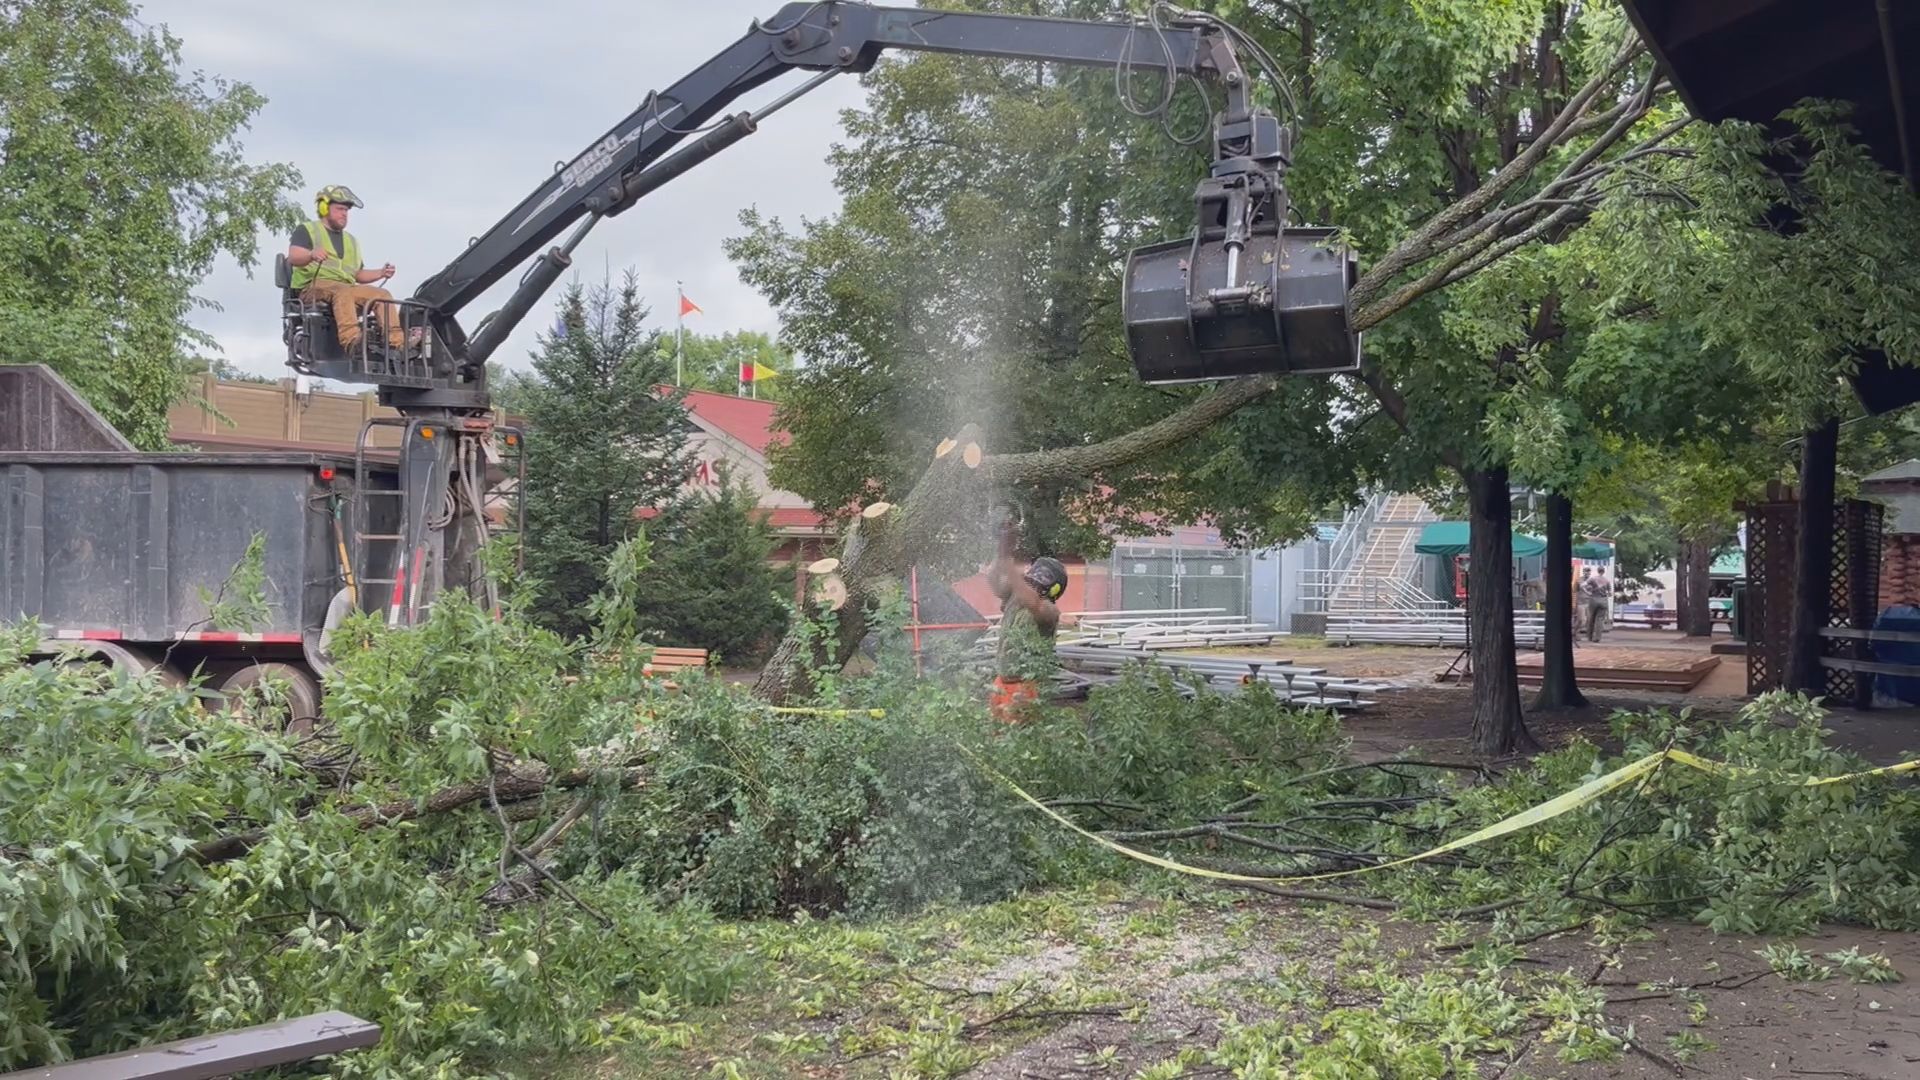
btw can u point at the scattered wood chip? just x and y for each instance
(874, 510)
(946, 447)
(823, 566)
(971, 455)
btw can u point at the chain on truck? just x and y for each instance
(117, 553)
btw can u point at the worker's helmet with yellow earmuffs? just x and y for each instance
(1047, 577)
(335, 193)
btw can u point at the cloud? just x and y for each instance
(443, 115)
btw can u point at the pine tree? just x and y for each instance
(605, 442)
(710, 585)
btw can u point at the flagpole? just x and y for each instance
(679, 328)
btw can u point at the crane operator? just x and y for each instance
(327, 269)
(1028, 620)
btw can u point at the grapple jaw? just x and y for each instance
(1286, 313)
(1246, 294)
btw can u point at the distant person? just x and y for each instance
(1533, 592)
(327, 269)
(1028, 621)
(1580, 600)
(1595, 592)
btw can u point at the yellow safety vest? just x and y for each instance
(342, 266)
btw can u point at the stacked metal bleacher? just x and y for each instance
(1099, 647)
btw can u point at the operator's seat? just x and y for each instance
(302, 325)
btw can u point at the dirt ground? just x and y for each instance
(1214, 969)
(1098, 984)
(1437, 716)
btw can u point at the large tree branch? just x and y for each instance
(1425, 240)
(1080, 461)
(513, 784)
(1624, 117)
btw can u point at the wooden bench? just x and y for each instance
(666, 659)
(283, 1042)
(663, 660)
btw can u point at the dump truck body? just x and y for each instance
(131, 553)
(138, 547)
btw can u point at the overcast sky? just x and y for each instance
(442, 115)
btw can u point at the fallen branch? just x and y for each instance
(1386, 765)
(513, 785)
(1021, 1012)
(1373, 902)
(506, 830)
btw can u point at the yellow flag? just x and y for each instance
(762, 371)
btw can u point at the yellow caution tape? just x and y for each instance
(877, 714)
(1525, 819)
(1722, 768)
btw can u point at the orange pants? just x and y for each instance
(348, 301)
(1012, 698)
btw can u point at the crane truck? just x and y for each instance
(121, 552)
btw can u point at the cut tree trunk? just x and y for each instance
(1559, 689)
(1813, 560)
(939, 521)
(1696, 570)
(1497, 724)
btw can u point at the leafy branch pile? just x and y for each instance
(501, 843)
(1745, 852)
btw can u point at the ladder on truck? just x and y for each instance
(405, 521)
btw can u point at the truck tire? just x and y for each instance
(122, 659)
(295, 690)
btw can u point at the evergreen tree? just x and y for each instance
(710, 585)
(606, 442)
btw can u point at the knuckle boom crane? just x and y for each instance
(1245, 294)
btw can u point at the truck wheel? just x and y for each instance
(122, 659)
(292, 693)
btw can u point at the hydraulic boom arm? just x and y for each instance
(1245, 293)
(829, 37)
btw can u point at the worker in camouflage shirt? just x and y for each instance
(1028, 620)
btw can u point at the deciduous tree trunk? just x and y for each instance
(946, 501)
(1497, 724)
(1694, 576)
(1558, 687)
(1682, 590)
(1813, 559)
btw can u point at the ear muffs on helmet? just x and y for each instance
(1048, 577)
(334, 193)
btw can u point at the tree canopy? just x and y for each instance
(122, 180)
(713, 362)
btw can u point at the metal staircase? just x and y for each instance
(1372, 566)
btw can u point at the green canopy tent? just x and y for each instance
(1593, 550)
(1450, 538)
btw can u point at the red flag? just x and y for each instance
(689, 307)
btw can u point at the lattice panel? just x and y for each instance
(1841, 685)
(1771, 528)
(1853, 589)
